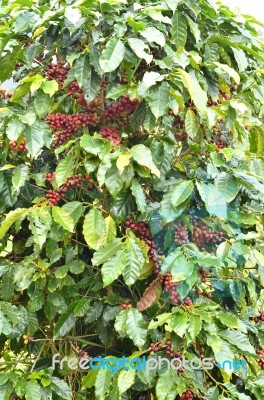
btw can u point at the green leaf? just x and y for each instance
(110, 229)
(142, 155)
(223, 250)
(181, 192)
(135, 260)
(227, 186)
(65, 323)
(95, 145)
(230, 71)
(191, 124)
(116, 91)
(112, 55)
(114, 181)
(114, 267)
(88, 381)
(76, 266)
(122, 206)
(139, 46)
(153, 35)
(240, 340)
(198, 95)
(33, 391)
(42, 104)
(126, 380)
(165, 384)
(40, 223)
(61, 388)
(50, 87)
(179, 30)
(107, 252)
(159, 320)
(20, 91)
(63, 218)
(11, 218)
(8, 63)
(94, 229)
(64, 170)
(158, 99)
(195, 326)
(182, 269)
(172, 4)
(19, 177)
(81, 308)
(228, 319)
(91, 85)
(75, 209)
(102, 383)
(179, 323)
(136, 327)
(14, 129)
(215, 203)
(139, 195)
(149, 79)
(82, 69)
(241, 59)
(37, 135)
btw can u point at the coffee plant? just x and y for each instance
(131, 199)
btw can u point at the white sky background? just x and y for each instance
(251, 7)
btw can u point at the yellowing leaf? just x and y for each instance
(39, 31)
(123, 161)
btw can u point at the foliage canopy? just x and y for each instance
(131, 197)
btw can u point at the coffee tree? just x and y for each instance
(131, 198)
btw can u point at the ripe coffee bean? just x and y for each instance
(188, 395)
(181, 235)
(57, 71)
(110, 133)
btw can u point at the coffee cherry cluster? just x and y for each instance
(74, 181)
(203, 235)
(25, 339)
(182, 136)
(224, 95)
(54, 196)
(171, 288)
(123, 79)
(4, 95)
(57, 71)
(178, 122)
(155, 347)
(120, 112)
(219, 141)
(126, 306)
(187, 302)
(143, 232)
(181, 235)
(76, 93)
(203, 274)
(110, 133)
(49, 176)
(21, 147)
(211, 103)
(188, 395)
(171, 352)
(260, 317)
(205, 293)
(260, 352)
(84, 354)
(64, 126)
